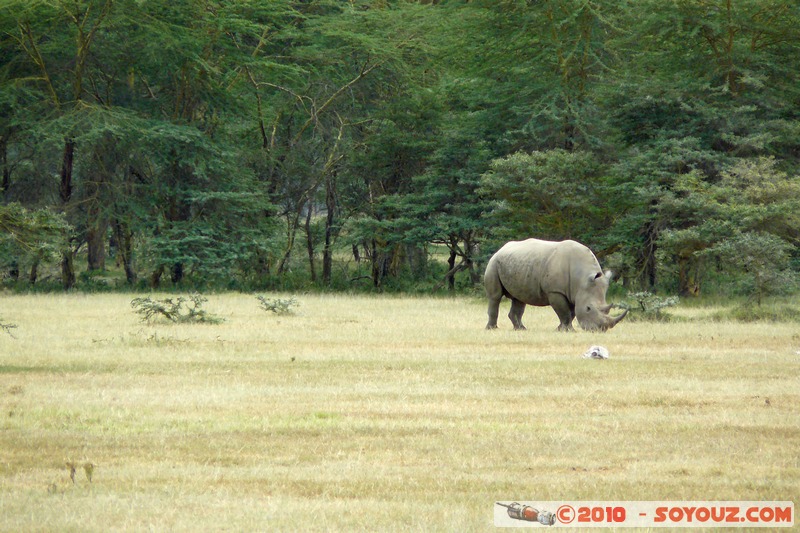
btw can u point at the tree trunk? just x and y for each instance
(96, 219)
(646, 261)
(310, 246)
(330, 217)
(155, 277)
(683, 276)
(291, 232)
(124, 239)
(687, 276)
(34, 273)
(5, 183)
(68, 269)
(417, 258)
(262, 266)
(65, 190)
(96, 241)
(381, 263)
(471, 249)
(650, 270)
(177, 273)
(451, 274)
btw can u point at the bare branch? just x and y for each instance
(35, 55)
(365, 70)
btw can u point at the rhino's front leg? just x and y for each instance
(563, 309)
(517, 310)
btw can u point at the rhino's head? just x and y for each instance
(591, 308)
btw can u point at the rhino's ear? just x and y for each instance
(595, 277)
(609, 275)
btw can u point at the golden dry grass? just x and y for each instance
(376, 413)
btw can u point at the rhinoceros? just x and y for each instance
(564, 275)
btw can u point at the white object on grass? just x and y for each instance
(596, 352)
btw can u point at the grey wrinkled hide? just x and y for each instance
(564, 275)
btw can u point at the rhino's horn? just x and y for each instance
(616, 320)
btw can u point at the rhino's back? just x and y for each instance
(530, 269)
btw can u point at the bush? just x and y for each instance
(180, 310)
(648, 306)
(279, 306)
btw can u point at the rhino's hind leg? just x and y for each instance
(517, 310)
(494, 292)
(565, 312)
(494, 310)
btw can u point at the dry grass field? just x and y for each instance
(376, 413)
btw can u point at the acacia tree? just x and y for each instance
(448, 196)
(24, 233)
(56, 40)
(752, 208)
(554, 194)
(685, 107)
(395, 151)
(347, 62)
(144, 103)
(193, 131)
(760, 260)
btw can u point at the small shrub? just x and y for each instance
(180, 310)
(648, 306)
(279, 306)
(7, 327)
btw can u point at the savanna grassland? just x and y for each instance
(377, 413)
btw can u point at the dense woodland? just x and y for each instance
(394, 145)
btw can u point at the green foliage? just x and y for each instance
(760, 263)
(649, 307)
(180, 310)
(279, 306)
(30, 232)
(554, 194)
(233, 144)
(29, 237)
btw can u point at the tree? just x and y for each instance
(760, 260)
(685, 108)
(50, 36)
(29, 236)
(206, 142)
(752, 208)
(346, 59)
(141, 103)
(552, 195)
(395, 151)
